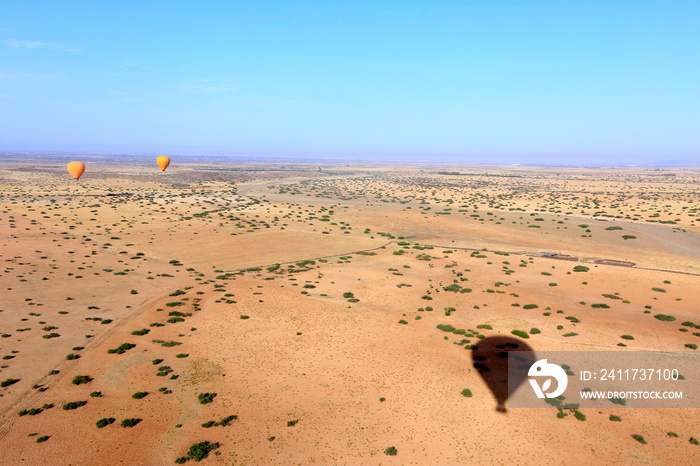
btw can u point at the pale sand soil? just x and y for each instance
(331, 376)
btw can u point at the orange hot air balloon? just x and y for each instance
(163, 161)
(76, 169)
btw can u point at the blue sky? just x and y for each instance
(485, 81)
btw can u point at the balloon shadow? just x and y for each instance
(490, 359)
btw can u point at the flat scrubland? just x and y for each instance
(297, 314)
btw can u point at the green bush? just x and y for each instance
(41, 439)
(639, 439)
(205, 398)
(199, 451)
(534, 331)
(530, 306)
(445, 327)
(391, 451)
(520, 333)
(292, 423)
(627, 337)
(139, 395)
(615, 418)
(104, 422)
(466, 392)
(121, 348)
(96, 394)
(130, 422)
(81, 379)
(8, 382)
(664, 317)
(31, 412)
(581, 268)
(74, 405)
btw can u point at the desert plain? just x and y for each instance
(303, 313)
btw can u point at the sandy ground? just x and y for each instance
(312, 373)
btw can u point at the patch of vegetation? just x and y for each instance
(74, 405)
(664, 317)
(618, 401)
(198, 451)
(445, 327)
(467, 393)
(170, 343)
(205, 398)
(121, 348)
(8, 382)
(131, 422)
(520, 333)
(104, 422)
(639, 439)
(81, 379)
(391, 451)
(31, 412)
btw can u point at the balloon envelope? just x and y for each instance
(76, 169)
(163, 162)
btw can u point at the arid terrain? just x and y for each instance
(288, 313)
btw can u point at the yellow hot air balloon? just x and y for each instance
(76, 169)
(163, 161)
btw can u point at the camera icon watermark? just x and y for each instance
(543, 369)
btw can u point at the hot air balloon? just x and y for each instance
(163, 161)
(76, 169)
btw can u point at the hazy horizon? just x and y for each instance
(546, 83)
